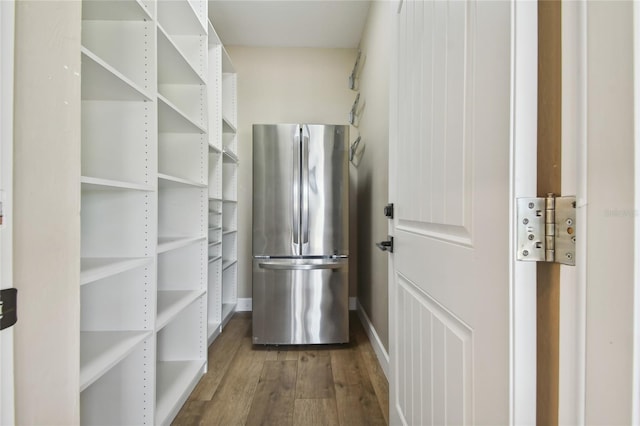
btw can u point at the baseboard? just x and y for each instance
(376, 343)
(244, 304)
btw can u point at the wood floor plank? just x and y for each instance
(224, 347)
(315, 379)
(378, 378)
(315, 412)
(288, 384)
(190, 414)
(344, 367)
(357, 405)
(273, 400)
(283, 353)
(356, 399)
(232, 400)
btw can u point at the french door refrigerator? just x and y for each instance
(300, 234)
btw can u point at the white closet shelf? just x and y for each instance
(227, 65)
(228, 231)
(172, 302)
(102, 82)
(173, 66)
(166, 244)
(180, 18)
(227, 312)
(215, 228)
(215, 199)
(213, 38)
(229, 201)
(172, 120)
(108, 10)
(175, 380)
(101, 350)
(227, 127)
(99, 184)
(166, 181)
(213, 244)
(214, 331)
(214, 149)
(213, 259)
(215, 212)
(227, 263)
(229, 157)
(96, 268)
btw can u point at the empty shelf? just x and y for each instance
(96, 268)
(172, 302)
(99, 184)
(171, 243)
(102, 82)
(166, 181)
(174, 381)
(101, 350)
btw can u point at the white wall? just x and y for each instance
(47, 211)
(285, 85)
(373, 171)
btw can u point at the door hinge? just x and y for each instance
(547, 229)
(8, 307)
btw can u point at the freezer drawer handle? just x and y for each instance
(299, 266)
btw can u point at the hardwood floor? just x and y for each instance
(288, 385)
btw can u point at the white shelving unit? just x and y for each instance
(223, 164)
(147, 215)
(118, 184)
(180, 326)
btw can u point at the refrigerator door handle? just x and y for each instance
(280, 266)
(305, 184)
(295, 193)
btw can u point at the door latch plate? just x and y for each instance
(388, 210)
(8, 307)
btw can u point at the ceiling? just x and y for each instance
(289, 23)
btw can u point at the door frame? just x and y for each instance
(572, 320)
(635, 417)
(523, 172)
(575, 316)
(7, 25)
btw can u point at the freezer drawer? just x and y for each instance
(300, 301)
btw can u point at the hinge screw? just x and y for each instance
(531, 237)
(569, 256)
(531, 205)
(569, 222)
(573, 239)
(525, 221)
(525, 253)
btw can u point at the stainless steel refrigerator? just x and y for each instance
(300, 234)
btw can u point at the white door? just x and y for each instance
(463, 138)
(6, 170)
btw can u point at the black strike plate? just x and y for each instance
(8, 307)
(388, 210)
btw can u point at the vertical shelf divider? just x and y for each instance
(222, 187)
